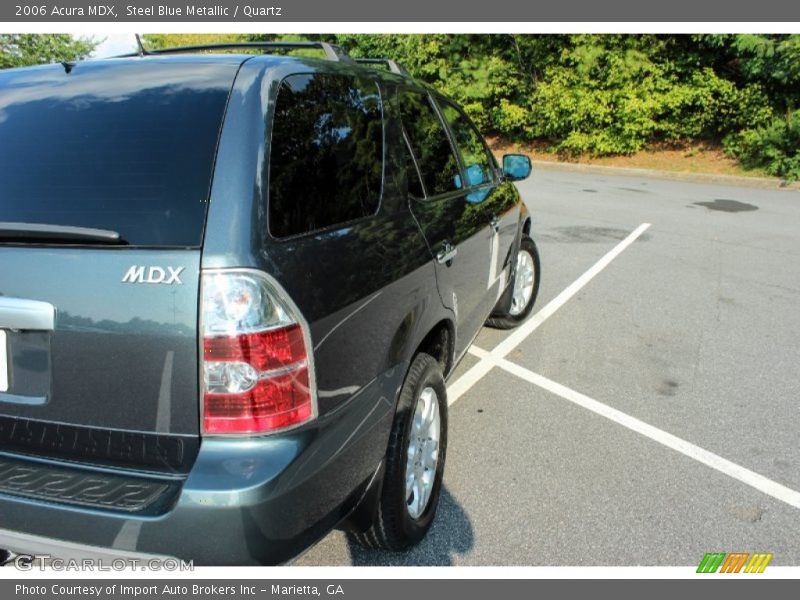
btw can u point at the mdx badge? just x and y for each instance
(168, 276)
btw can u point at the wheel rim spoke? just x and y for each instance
(419, 493)
(426, 490)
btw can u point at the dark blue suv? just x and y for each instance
(232, 287)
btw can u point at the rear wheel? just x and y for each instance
(524, 288)
(414, 460)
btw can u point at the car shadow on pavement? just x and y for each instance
(450, 535)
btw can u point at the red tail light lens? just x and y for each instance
(265, 351)
(276, 403)
(258, 375)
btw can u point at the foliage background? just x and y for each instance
(20, 50)
(576, 95)
(617, 94)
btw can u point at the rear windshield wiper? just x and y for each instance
(44, 232)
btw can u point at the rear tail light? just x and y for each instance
(257, 363)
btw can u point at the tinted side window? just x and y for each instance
(478, 163)
(326, 156)
(429, 143)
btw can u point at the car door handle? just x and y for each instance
(447, 253)
(495, 223)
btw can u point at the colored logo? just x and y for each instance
(734, 562)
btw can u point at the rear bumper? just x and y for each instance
(246, 501)
(25, 544)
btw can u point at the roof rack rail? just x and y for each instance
(387, 62)
(332, 52)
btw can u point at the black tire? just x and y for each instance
(393, 528)
(501, 317)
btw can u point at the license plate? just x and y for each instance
(3, 362)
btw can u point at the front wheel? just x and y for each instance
(414, 460)
(523, 289)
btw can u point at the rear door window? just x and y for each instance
(326, 153)
(429, 142)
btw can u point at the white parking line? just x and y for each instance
(716, 462)
(476, 372)
(467, 380)
(529, 326)
(496, 358)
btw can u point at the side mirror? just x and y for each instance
(475, 175)
(516, 167)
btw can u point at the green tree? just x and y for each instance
(603, 94)
(23, 49)
(155, 41)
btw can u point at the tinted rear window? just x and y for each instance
(126, 146)
(326, 156)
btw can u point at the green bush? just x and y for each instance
(23, 49)
(616, 94)
(774, 148)
(611, 94)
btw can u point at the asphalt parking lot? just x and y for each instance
(649, 410)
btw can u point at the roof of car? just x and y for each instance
(266, 60)
(332, 53)
(233, 59)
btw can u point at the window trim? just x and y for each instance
(268, 170)
(410, 151)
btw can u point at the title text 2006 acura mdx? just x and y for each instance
(231, 288)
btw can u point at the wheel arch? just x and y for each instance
(439, 343)
(526, 225)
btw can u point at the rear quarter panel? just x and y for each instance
(367, 288)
